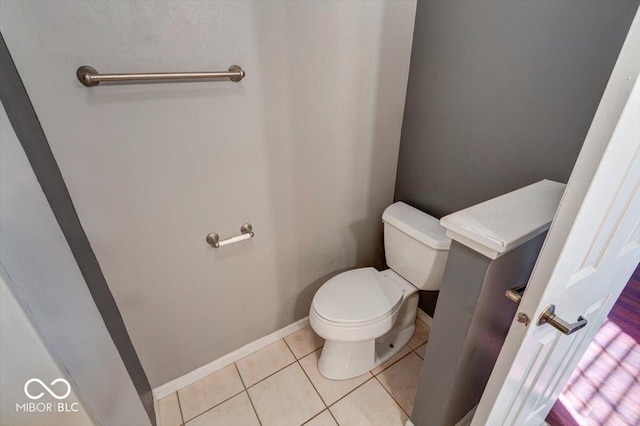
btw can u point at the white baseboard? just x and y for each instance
(197, 374)
(424, 317)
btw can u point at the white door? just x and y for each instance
(591, 250)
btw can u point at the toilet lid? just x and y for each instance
(356, 296)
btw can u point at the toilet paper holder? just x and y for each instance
(246, 232)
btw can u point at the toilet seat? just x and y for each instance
(357, 298)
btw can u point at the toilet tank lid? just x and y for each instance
(418, 225)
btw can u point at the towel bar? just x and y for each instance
(90, 77)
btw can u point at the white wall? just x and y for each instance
(23, 355)
(304, 148)
(43, 274)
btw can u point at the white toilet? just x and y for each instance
(367, 316)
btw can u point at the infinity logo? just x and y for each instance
(52, 393)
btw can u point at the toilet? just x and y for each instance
(366, 316)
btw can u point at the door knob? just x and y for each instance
(549, 317)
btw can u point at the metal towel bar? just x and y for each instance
(90, 77)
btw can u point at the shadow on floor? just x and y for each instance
(605, 387)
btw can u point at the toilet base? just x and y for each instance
(345, 360)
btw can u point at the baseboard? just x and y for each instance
(424, 317)
(156, 409)
(197, 374)
(200, 372)
(468, 418)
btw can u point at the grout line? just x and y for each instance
(394, 362)
(296, 360)
(254, 408)
(326, 407)
(240, 375)
(303, 355)
(275, 372)
(312, 351)
(334, 417)
(272, 374)
(180, 407)
(311, 381)
(248, 396)
(413, 349)
(373, 376)
(392, 397)
(351, 391)
(418, 319)
(425, 349)
(211, 408)
(314, 387)
(246, 389)
(287, 345)
(221, 402)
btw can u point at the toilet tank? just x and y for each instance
(416, 245)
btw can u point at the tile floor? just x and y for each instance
(280, 385)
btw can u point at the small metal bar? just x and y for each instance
(90, 77)
(515, 294)
(246, 232)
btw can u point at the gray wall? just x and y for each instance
(24, 355)
(301, 149)
(500, 95)
(41, 270)
(35, 257)
(472, 321)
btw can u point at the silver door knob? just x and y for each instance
(549, 317)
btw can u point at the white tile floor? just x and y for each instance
(280, 385)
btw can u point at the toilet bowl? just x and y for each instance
(367, 316)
